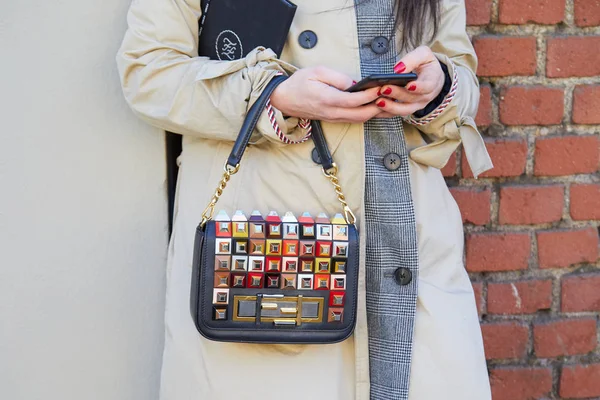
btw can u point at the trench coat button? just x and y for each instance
(307, 39)
(380, 45)
(315, 156)
(403, 276)
(391, 161)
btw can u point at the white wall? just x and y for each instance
(82, 211)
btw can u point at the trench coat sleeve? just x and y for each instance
(168, 85)
(455, 123)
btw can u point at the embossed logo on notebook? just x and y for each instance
(229, 46)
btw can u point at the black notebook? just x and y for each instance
(230, 29)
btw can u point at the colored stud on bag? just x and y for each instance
(305, 281)
(223, 246)
(239, 263)
(290, 226)
(256, 264)
(321, 282)
(222, 224)
(340, 228)
(257, 247)
(336, 299)
(307, 225)
(288, 281)
(307, 249)
(221, 280)
(306, 265)
(219, 313)
(240, 225)
(335, 315)
(238, 280)
(255, 280)
(290, 248)
(290, 264)
(323, 227)
(273, 225)
(257, 226)
(273, 247)
(222, 263)
(220, 296)
(272, 281)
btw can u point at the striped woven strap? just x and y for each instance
(440, 109)
(304, 124)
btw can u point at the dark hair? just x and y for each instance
(411, 17)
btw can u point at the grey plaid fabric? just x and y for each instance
(389, 222)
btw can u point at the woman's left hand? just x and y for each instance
(399, 101)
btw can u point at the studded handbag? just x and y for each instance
(275, 279)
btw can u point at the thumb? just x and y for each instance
(333, 78)
(413, 60)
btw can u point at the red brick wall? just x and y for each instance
(531, 223)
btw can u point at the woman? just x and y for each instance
(417, 335)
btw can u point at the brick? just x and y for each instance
(526, 205)
(564, 338)
(580, 293)
(497, 251)
(484, 112)
(585, 201)
(586, 103)
(566, 155)
(572, 56)
(509, 157)
(559, 249)
(505, 56)
(525, 297)
(449, 169)
(587, 12)
(531, 105)
(536, 11)
(474, 204)
(580, 381)
(478, 11)
(478, 292)
(505, 340)
(520, 383)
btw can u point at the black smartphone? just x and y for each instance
(383, 79)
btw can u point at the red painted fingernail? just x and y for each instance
(387, 91)
(400, 67)
(379, 92)
(412, 88)
(381, 103)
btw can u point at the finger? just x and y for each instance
(333, 78)
(357, 114)
(411, 61)
(337, 98)
(402, 109)
(398, 93)
(385, 115)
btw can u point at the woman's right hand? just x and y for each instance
(318, 93)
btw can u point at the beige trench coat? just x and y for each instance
(170, 87)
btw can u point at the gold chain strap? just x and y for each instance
(209, 211)
(331, 174)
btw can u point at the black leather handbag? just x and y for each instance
(273, 279)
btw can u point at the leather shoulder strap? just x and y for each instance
(252, 119)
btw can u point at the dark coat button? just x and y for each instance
(315, 156)
(391, 161)
(380, 45)
(403, 276)
(307, 39)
